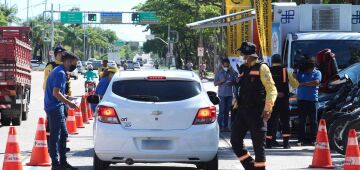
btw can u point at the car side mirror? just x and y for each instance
(213, 97)
(93, 99)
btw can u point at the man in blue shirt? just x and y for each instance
(225, 78)
(54, 102)
(307, 95)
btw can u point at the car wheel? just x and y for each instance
(5, 121)
(200, 166)
(212, 165)
(99, 164)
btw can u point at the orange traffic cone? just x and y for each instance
(322, 156)
(71, 122)
(12, 159)
(79, 119)
(84, 110)
(40, 155)
(352, 158)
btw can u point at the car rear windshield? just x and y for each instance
(156, 91)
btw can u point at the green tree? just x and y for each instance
(178, 13)
(8, 14)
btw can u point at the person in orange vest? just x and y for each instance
(256, 97)
(282, 79)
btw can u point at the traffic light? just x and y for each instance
(92, 17)
(135, 17)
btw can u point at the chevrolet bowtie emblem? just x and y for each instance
(156, 113)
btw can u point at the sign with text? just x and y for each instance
(111, 18)
(71, 17)
(148, 18)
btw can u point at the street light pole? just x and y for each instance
(27, 12)
(52, 27)
(169, 55)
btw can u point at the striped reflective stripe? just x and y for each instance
(12, 158)
(71, 118)
(11, 139)
(260, 164)
(353, 141)
(322, 128)
(284, 75)
(41, 127)
(254, 73)
(322, 145)
(286, 135)
(40, 143)
(247, 155)
(352, 161)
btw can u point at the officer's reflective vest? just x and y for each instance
(280, 77)
(251, 92)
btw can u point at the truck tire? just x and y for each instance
(16, 120)
(25, 113)
(5, 120)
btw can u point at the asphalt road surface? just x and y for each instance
(82, 147)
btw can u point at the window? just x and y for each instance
(347, 51)
(163, 91)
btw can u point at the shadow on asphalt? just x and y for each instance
(138, 168)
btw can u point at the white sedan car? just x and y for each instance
(156, 117)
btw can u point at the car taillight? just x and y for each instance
(107, 115)
(205, 116)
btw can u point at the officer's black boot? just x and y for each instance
(248, 163)
(268, 143)
(286, 143)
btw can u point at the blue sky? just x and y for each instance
(125, 32)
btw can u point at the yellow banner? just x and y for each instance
(238, 33)
(264, 22)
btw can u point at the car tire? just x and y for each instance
(212, 165)
(5, 121)
(99, 164)
(25, 113)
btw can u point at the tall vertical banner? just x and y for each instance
(238, 33)
(264, 22)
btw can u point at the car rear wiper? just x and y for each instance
(144, 98)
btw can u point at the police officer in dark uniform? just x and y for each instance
(257, 95)
(282, 79)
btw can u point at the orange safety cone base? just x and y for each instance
(38, 164)
(325, 167)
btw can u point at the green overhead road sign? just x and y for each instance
(119, 43)
(71, 17)
(148, 18)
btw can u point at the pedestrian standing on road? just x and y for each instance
(282, 79)
(225, 78)
(104, 83)
(307, 97)
(101, 70)
(189, 66)
(257, 95)
(55, 100)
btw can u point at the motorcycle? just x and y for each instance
(351, 111)
(90, 86)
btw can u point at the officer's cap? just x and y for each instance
(59, 49)
(247, 48)
(276, 58)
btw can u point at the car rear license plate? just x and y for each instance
(156, 144)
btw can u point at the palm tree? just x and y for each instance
(8, 14)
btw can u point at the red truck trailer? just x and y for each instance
(15, 74)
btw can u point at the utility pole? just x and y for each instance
(169, 54)
(221, 28)
(85, 58)
(52, 27)
(27, 12)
